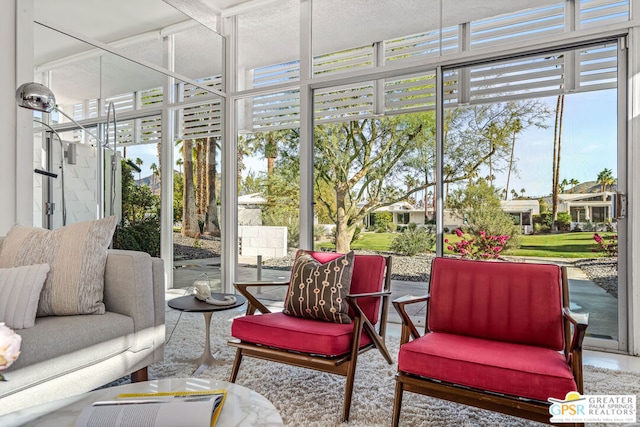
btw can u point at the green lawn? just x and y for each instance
(563, 245)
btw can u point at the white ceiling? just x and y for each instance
(268, 29)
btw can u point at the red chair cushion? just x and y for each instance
(295, 333)
(501, 367)
(505, 301)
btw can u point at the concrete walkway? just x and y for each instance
(586, 296)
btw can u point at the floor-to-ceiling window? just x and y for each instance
(545, 137)
(518, 159)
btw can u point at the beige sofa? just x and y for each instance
(66, 355)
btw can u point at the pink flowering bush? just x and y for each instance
(482, 246)
(608, 245)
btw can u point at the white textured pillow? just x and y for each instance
(76, 254)
(19, 294)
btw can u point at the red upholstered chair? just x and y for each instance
(324, 346)
(499, 336)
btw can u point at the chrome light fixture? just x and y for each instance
(38, 97)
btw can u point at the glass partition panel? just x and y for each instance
(374, 176)
(123, 104)
(540, 139)
(268, 188)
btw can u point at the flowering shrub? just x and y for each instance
(608, 245)
(483, 246)
(9, 347)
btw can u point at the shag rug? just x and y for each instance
(308, 398)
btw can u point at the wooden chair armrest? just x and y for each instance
(408, 327)
(245, 285)
(253, 303)
(580, 321)
(574, 352)
(370, 294)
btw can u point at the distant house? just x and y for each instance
(590, 207)
(522, 212)
(402, 214)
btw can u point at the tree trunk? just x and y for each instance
(211, 224)
(201, 187)
(159, 148)
(557, 136)
(343, 234)
(270, 165)
(189, 219)
(513, 146)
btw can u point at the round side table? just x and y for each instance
(190, 303)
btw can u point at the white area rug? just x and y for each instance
(309, 398)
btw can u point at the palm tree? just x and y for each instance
(154, 169)
(212, 223)
(139, 163)
(557, 142)
(522, 191)
(605, 178)
(179, 163)
(514, 194)
(563, 185)
(189, 220)
(573, 182)
(517, 128)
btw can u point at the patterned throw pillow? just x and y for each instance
(317, 291)
(76, 254)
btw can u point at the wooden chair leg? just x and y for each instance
(140, 375)
(348, 389)
(397, 403)
(236, 366)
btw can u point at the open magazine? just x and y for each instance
(162, 409)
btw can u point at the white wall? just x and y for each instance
(8, 114)
(16, 158)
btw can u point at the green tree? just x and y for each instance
(154, 175)
(363, 161)
(516, 129)
(605, 179)
(139, 163)
(573, 182)
(252, 184)
(139, 228)
(479, 206)
(283, 199)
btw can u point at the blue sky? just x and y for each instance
(589, 144)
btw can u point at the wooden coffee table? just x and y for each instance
(242, 407)
(190, 303)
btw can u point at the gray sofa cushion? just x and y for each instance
(67, 334)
